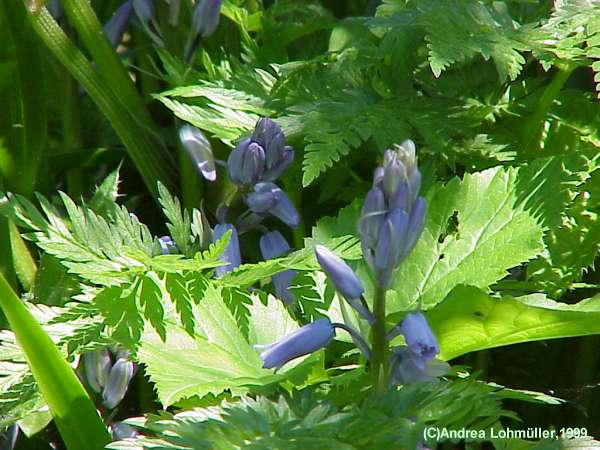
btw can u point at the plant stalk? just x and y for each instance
(379, 361)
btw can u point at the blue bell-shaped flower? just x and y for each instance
(231, 255)
(303, 341)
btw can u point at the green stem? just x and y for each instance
(533, 129)
(379, 363)
(150, 160)
(74, 413)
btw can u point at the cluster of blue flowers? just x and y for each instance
(205, 20)
(253, 167)
(108, 378)
(391, 222)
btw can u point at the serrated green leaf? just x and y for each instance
(219, 357)
(476, 229)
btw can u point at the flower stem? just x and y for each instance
(380, 344)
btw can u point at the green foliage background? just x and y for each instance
(500, 98)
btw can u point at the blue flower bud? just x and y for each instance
(118, 382)
(419, 338)
(303, 341)
(120, 431)
(167, 245)
(276, 170)
(8, 439)
(117, 24)
(390, 245)
(231, 254)
(273, 245)
(144, 9)
(199, 150)
(372, 217)
(97, 367)
(404, 369)
(415, 225)
(393, 215)
(269, 135)
(339, 273)
(206, 17)
(269, 198)
(246, 163)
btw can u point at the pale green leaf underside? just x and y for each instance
(470, 320)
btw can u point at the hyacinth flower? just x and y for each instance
(117, 25)
(393, 214)
(120, 431)
(117, 383)
(206, 17)
(344, 280)
(273, 245)
(97, 367)
(231, 255)
(268, 198)
(405, 368)
(8, 438)
(205, 21)
(199, 150)
(261, 157)
(111, 380)
(278, 156)
(419, 338)
(167, 245)
(305, 340)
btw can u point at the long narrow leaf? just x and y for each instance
(150, 160)
(74, 414)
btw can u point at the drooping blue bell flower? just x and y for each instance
(268, 198)
(231, 255)
(117, 384)
(120, 431)
(273, 245)
(405, 369)
(199, 150)
(117, 25)
(261, 157)
(278, 156)
(97, 366)
(419, 338)
(303, 341)
(8, 439)
(344, 280)
(206, 17)
(339, 273)
(167, 245)
(246, 163)
(144, 9)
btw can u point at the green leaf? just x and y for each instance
(104, 200)
(302, 420)
(74, 413)
(346, 247)
(219, 357)
(179, 221)
(476, 229)
(469, 320)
